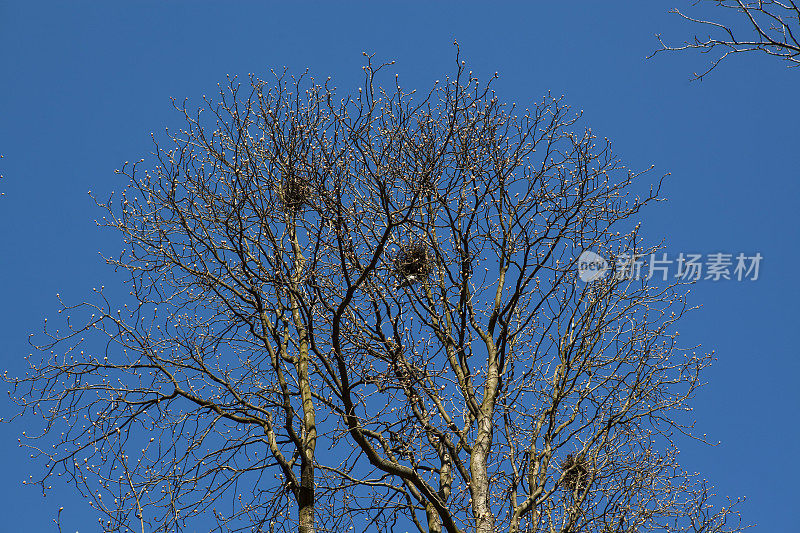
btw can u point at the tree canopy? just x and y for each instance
(364, 312)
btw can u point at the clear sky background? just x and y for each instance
(82, 86)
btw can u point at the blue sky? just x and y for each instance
(84, 85)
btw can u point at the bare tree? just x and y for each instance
(499, 391)
(366, 309)
(768, 26)
(205, 381)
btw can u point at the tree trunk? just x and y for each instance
(305, 499)
(484, 519)
(434, 523)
